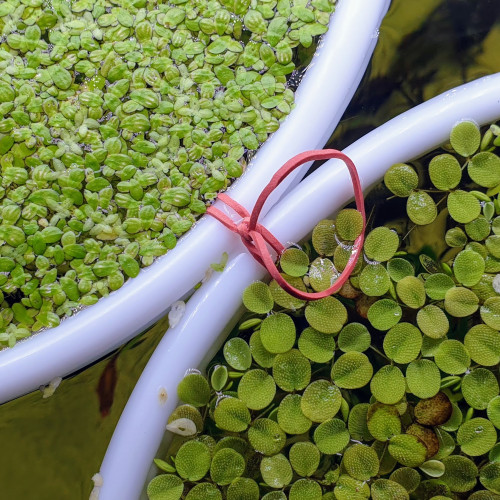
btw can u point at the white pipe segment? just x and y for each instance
(214, 307)
(321, 99)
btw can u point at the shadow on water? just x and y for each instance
(52, 447)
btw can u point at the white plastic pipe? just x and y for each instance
(321, 99)
(202, 330)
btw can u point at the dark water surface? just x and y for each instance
(50, 448)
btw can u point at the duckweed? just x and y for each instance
(120, 122)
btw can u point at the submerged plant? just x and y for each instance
(119, 123)
(388, 390)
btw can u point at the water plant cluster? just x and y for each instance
(388, 390)
(119, 122)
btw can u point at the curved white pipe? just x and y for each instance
(338, 67)
(202, 330)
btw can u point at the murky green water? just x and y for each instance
(50, 448)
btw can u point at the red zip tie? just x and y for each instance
(256, 237)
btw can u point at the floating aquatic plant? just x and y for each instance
(388, 390)
(119, 123)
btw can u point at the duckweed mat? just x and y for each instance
(120, 122)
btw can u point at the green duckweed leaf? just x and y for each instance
(237, 354)
(348, 488)
(233, 442)
(479, 387)
(436, 285)
(194, 390)
(455, 420)
(484, 169)
(433, 321)
(316, 346)
(384, 314)
(387, 462)
(408, 450)
(320, 401)
(227, 464)
(489, 477)
(291, 371)
(354, 337)
(259, 353)
(465, 138)
(463, 206)
(274, 495)
(290, 417)
(381, 244)
(331, 436)
(411, 291)
(283, 298)
(460, 302)
(494, 453)
(349, 224)
(446, 444)
(490, 313)
(421, 208)
(423, 378)
(358, 423)
(407, 477)
(430, 346)
(326, 315)
(277, 333)
(433, 468)
(257, 298)
(323, 237)
(276, 471)
(493, 411)
(266, 437)
(399, 268)
(402, 343)
(401, 179)
(294, 262)
(304, 458)
(361, 462)
(219, 377)
(460, 473)
(385, 489)
(483, 344)
(243, 488)
(352, 370)
(256, 389)
(305, 488)
(433, 411)
(476, 436)
(192, 460)
(468, 267)
(231, 414)
(322, 274)
(383, 421)
(452, 357)
(204, 491)
(478, 229)
(455, 237)
(445, 172)
(374, 280)
(493, 245)
(165, 487)
(388, 385)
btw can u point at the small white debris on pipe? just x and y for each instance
(98, 482)
(48, 390)
(162, 396)
(176, 313)
(496, 283)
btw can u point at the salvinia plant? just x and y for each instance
(119, 123)
(388, 390)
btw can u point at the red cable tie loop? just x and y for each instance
(256, 237)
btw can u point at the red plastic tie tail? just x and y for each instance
(256, 237)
